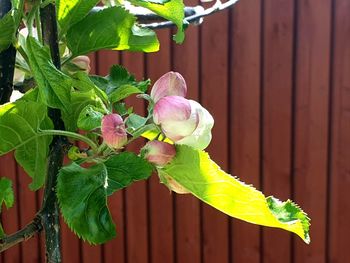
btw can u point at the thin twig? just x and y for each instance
(22, 235)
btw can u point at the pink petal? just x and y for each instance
(113, 131)
(170, 84)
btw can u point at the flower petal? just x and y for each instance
(170, 84)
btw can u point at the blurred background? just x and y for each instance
(275, 74)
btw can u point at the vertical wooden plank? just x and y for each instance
(114, 249)
(339, 213)
(187, 207)
(10, 218)
(160, 199)
(214, 95)
(245, 117)
(311, 123)
(30, 249)
(277, 117)
(136, 195)
(91, 253)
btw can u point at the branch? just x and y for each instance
(22, 235)
(50, 209)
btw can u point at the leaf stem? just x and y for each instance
(72, 135)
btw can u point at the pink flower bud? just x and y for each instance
(82, 62)
(159, 153)
(170, 84)
(113, 131)
(174, 115)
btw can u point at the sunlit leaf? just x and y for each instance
(69, 12)
(172, 10)
(110, 28)
(20, 125)
(195, 172)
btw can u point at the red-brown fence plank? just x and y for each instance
(30, 249)
(214, 97)
(160, 199)
(277, 117)
(136, 195)
(10, 218)
(245, 117)
(187, 207)
(339, 213)
(311, 122)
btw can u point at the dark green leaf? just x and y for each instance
(121, 109)
(120, 84)
(82, 197)
(172, 10)
(110, 28)
(54, 86)
(20, 125)
(89, 118)
(6, 196)
(125, 168)
(69, 12)
(6, 193)
(8, 30)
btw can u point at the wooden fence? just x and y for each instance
(276, 76)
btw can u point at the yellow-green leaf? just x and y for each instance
(198, 174)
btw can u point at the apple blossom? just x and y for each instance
(158, 153)
(174, 115)
(184, 121)
(170, 84)
(113, 131)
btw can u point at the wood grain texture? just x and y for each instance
(214, 97)
(339, 181)
(244, 126)
(311, 122)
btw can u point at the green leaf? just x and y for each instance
(85, 211)
(135, 122)
(194, 171)
(89, 118)
(6, 193)
(120, 84)
(122, 109)
(6, 196)
(69, 12)
(110, 28)
(124, 169)
(79, 100)
(172, 10)
(20, 125)
(8, 30)
(54, 86)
